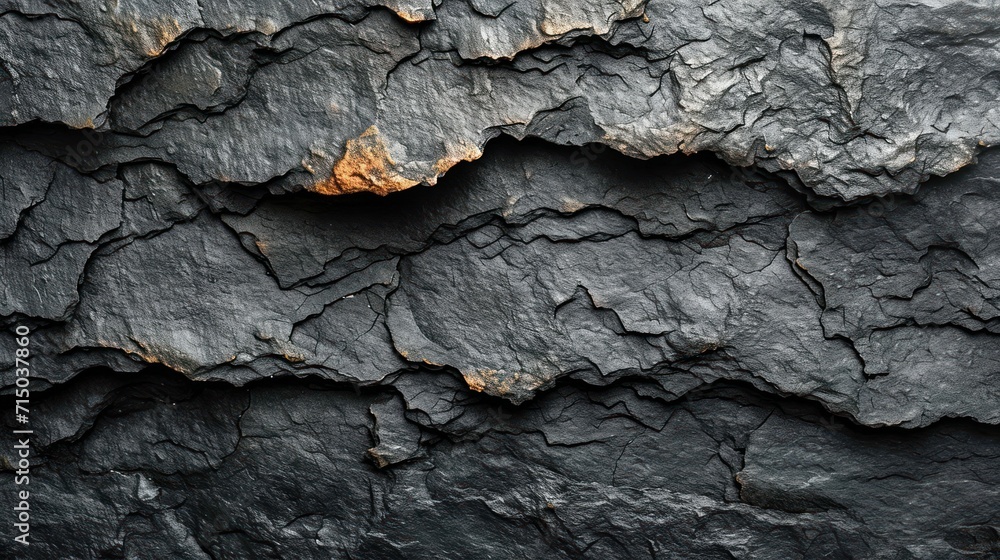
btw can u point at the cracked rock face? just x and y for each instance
(522, 279)
(855, 99)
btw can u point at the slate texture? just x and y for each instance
(522, 279)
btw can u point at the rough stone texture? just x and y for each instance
(563, 338)
(855, 98)
(156, 466)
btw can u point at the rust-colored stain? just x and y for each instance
(151, 36)
(570, 206)
(406, 356)
(367, 166)
(380, 461)
(85, 124)
(462, 153)
(154, 354)
(164, 31)
(293, 358)
(410, 17)
(491, 381)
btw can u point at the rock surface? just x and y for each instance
(563, 338)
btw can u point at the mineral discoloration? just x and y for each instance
(857, 100)
(565, 328)
(367, 166)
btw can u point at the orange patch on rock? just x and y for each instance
(153, 354)
(491, 381)
(367, 166)
(160, 33)
(410, 17)
(261, 246)
(464, 153)
(87, 123)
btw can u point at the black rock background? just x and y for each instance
(576, 343)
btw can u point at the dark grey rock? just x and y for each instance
(560, 340)
(856, 99)
(279, 469)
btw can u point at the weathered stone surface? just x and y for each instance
(856, 98)
(552, 335)
(158, 466)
